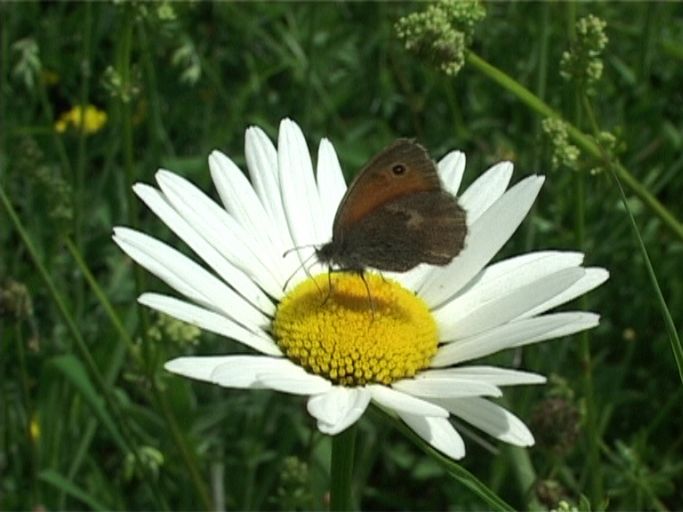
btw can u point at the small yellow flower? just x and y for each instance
(50, 77)
(89, 119)
(34, 429)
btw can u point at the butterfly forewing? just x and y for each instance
(379, 182)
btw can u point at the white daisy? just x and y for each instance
(407, 352)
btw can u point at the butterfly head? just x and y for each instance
(326, 253)
(336, 257)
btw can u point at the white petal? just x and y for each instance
(488, 234)
(497, 279)
(299, 192)
(234, 276)
(438, 432)
(294, 382)
(183, 274)
(587, 321)
(451, 168)
(210, 321)
(509, 304)
(491, 418)
(593, 278)
(261, 372)
(241, 201)
(261, 159)
(338, 408)
(513, 334)
(413, 278)
(486, 190)
(244, 372)
(122, 239)
(331, 185)
(201, 367)
(489, 374)
(255, 256)
(397, 401)
(445, 386)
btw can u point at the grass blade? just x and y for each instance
(57, 480)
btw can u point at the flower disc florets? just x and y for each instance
(355, 334)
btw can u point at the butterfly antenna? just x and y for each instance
(301, 266)
(296, 248)
(308, 273)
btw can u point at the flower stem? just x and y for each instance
(341, 470)
(584, 141)
(593, 467)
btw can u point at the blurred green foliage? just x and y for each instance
(177, 80)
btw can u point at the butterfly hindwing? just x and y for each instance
(427, 227)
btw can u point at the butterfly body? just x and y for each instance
(396, 215)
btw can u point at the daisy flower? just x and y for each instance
(405, 347)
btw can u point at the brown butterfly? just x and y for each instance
(396, 215)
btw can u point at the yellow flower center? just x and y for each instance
(355, 334)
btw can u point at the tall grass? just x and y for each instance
(88, 417)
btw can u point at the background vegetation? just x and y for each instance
(88, 419)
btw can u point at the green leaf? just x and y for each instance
(666, 314)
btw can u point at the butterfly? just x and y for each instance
(396, 215)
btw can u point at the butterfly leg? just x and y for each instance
(361, 273)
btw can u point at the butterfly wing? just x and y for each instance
(399, 170)
(396, 215)
(425, 227)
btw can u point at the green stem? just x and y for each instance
(124, 51)
(674, 339)
(33, 461)
(101, 296)
(341, 470)
(668, 319)
(157, 133)
(64, 161)
(82, 155)
(541, 85)
(584, 141)
(123, 67)
(181, 445)
(4, 79)
(525, 473)
(592, 465)
(78, 179)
